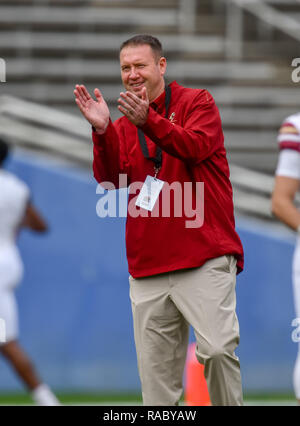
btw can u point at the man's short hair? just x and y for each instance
(4, 150)
(141, 39)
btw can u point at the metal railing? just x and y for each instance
(265, 12)
(45, 129)
(252, 191)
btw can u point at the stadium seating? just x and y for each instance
(51, 45)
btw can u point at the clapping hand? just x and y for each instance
(133, 107)
(95, 111)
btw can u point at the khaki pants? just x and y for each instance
(163, 306)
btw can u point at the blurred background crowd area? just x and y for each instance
(242, 52)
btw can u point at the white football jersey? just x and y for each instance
(289, 166)
(289, 145)
(14, 196)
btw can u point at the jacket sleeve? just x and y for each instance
(199, 137)
(110, 156)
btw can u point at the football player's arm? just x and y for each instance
(283, 197)
(33, 219)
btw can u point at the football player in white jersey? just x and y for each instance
(287, 183)
(16, 211)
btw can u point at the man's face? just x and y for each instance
(140, 68)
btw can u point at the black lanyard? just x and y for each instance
(157, 160)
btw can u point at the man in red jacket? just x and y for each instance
(182, 271)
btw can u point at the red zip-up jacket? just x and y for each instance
(192, 144)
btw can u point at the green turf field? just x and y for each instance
(135, 399)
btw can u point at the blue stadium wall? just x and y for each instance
(74, 309)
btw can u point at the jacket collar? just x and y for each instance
(159, 103)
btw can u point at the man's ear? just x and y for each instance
(163, 65)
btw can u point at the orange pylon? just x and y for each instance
(196, 392)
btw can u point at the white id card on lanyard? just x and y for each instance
(149, 193)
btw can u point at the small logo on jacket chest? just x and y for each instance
(172, 118)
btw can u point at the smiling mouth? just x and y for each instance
(137, 85)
